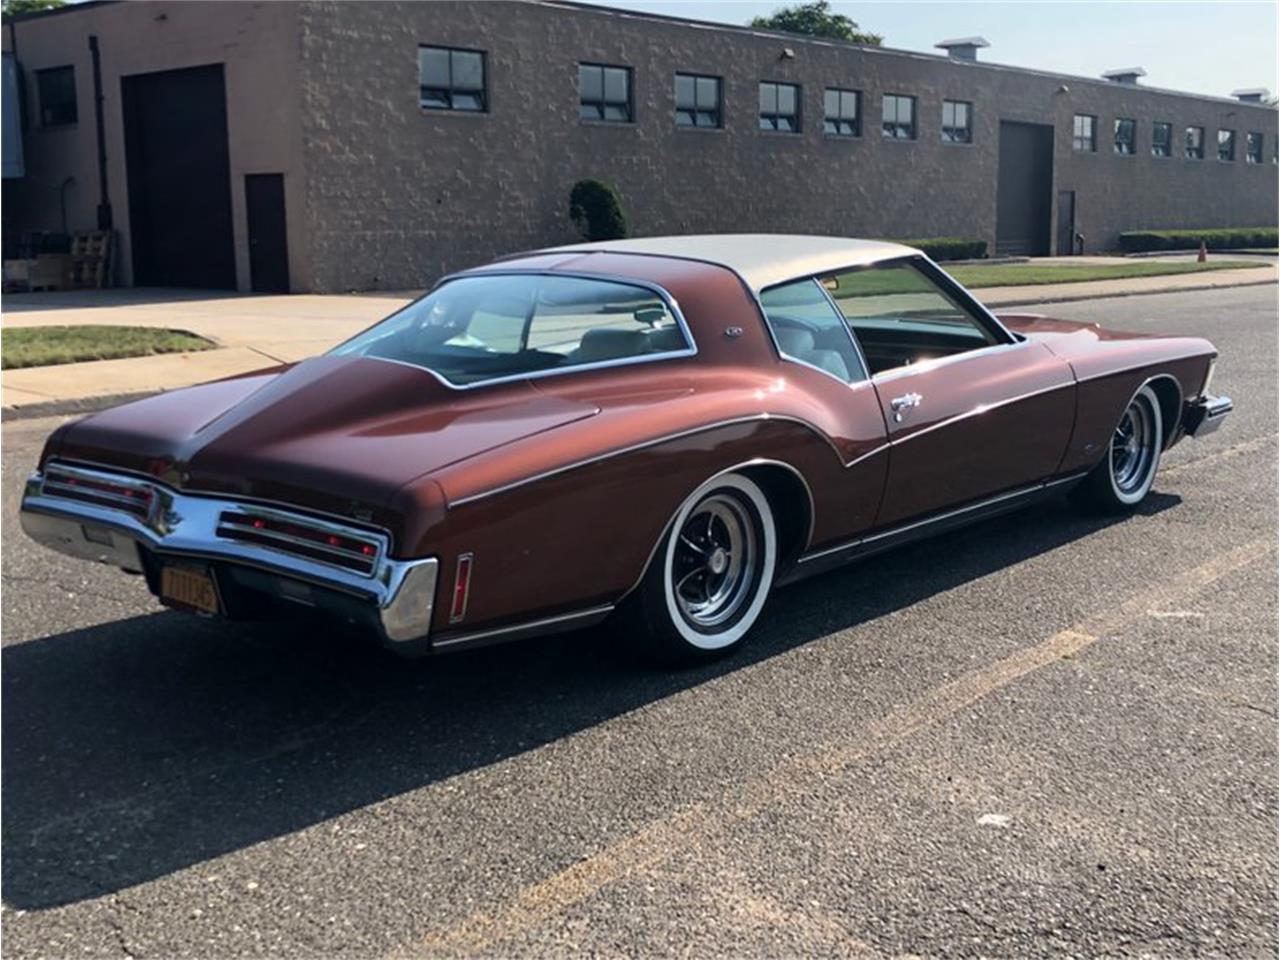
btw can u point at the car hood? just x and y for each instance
(1050, 331)
(337, 434)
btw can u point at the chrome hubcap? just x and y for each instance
(714, 563)
(1133, 448)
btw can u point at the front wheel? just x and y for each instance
(1123, 478)
(709, 579)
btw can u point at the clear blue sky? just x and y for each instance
(1202, 47)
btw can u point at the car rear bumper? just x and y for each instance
(1205, 415)
(162, 525)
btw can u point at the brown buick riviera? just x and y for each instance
(660, 430)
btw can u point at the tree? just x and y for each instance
(14, 8)
(596, 210)
(815, 19)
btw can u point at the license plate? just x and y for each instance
(191, 588)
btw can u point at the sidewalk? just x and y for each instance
(262, 331)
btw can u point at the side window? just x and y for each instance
(900, 316)
(808, 329)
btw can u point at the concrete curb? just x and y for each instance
(55, 408)
(1027, 301)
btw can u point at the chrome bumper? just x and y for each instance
(400, 593)
(1206, 415)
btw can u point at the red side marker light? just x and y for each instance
(461, 588)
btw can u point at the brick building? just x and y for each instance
(337, 146)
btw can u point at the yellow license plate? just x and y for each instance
(186, 587)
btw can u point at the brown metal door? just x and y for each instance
(971, 426)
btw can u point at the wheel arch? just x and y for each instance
(1169, 392)
(789, 495)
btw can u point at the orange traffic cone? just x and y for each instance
(1204, 253)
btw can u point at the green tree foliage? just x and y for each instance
(815, 19)
(13, 8)
(596, 210)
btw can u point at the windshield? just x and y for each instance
(495, 326)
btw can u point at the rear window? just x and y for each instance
(492, 327)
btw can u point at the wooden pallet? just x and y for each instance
(90, 254)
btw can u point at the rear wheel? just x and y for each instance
(1124, 476)
(710, 578)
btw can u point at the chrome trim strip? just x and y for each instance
(886, 376)
(680, 434)
(981, 408)
(185, 525)
(948, 515)
(528, 628)
(690, 350)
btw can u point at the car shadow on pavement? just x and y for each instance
(140, 747)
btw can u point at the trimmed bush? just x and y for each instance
(1234, 238)
(596, 210)
(950, 248)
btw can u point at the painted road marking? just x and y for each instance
(700, 823)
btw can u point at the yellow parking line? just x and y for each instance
(663, 839)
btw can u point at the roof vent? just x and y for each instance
(1251, 94)
(965, 48)
(1126, 75)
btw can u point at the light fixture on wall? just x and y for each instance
(787, 54)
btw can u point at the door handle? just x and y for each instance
(904, 402)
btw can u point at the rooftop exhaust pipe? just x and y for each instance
(965, 48)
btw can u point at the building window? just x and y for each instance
(1161, 139)
(1195, 143)
(57, 87)
(779, 107)
(1253, 148)
(697, 101)
(843, 109)
(957, 121)
(1126, 133)
(450, 79)
(604, 93)
(1084, 133)
(1226, 145)
(898, 117)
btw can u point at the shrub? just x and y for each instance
(596, 210)
(1233, 238)
(950, 248)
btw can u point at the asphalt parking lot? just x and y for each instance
(1047, 733)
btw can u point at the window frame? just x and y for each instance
(49, 73)
(761, 116)
(840, 93)
(954, 291)
(968, 127)
(697, 109)
(896, 123)
(485, 104)
(604, 102)
(689, 350)
(1133, 137)
(1250, 138)
(861, 376)
(1187, 149)
(1229, 142)
(1167, 125)
(1077, 138)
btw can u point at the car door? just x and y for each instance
(972, 411)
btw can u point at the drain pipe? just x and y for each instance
(104, 199)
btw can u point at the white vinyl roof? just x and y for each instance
(761, 259)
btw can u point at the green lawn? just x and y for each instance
(1018, 274)
(44, 346)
